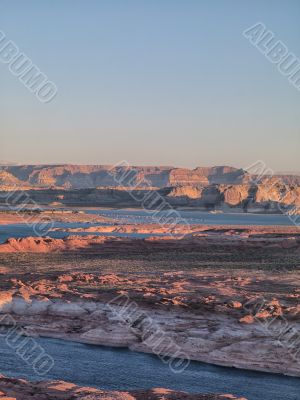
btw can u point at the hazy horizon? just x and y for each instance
(7, 163)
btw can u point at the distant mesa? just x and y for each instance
(210, 188)
(70, 176)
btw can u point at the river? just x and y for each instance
(122, 369)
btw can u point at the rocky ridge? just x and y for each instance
(209, 316)
(20, 389)
(261, 198)
(70, 176)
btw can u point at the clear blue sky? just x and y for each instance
(168, 82)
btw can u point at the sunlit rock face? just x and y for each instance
(212, 315)
(221, 187)
(91, 176)
(19, 389)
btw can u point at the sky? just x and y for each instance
(156, 82)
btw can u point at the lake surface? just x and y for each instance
(141, 216)
(111, 368)
(198, 217)
(24, 230)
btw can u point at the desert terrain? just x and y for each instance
(222, 294)
(227, 295)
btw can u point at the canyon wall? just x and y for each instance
(240, 198)
(91, 176)
(210, 188)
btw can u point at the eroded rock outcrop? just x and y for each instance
(161, 237)
(19, 389)
(71, 176)
(223, 318)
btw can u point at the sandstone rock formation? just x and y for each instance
(19, 389)
(241, 198)
(181, 237)
(91, 176)
(244, 319)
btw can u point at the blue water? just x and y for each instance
(121, 369)
(24, 230)
(190, 216)
(198, 217)
(138, 217)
